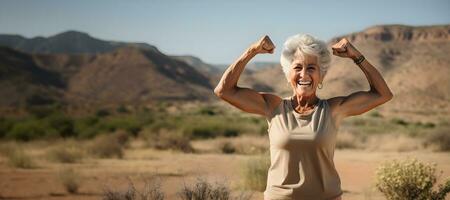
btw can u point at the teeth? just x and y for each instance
(304, 82)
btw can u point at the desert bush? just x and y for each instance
(87, 127)
(122, 109)
(5, 126)
(165, 139)
(399, 122)
(129, 124)
(61, 124)
(151, 191)
(227, 148)
(439, 139)
(122, 137)
(375, 114)
(27, 130)
(106, 146)
(103, 112)
(67, 153)
(70, 179)
(409, 179)
(16, 156)
(204, 190)
(254, 173)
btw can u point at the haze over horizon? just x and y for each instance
(216, 32)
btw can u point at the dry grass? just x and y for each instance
(245, 145)
(164, 140)
(150, 191)
(254, 172)
(204, 190)
(106, 146)
(68, 152)
(17, 157)
(348, 140)
(393, 142)
(70, 179)
(439, 140)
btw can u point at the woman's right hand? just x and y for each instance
(264, 45)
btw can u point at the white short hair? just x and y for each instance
(307, 45)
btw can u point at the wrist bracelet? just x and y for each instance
(359, 59)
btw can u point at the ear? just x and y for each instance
(322, 76)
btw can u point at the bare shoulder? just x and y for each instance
(335, 103)
(272, 101)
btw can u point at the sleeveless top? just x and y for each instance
(301, 154)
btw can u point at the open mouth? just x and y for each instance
(304, 84)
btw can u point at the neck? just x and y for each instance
(309, 101)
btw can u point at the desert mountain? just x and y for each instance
(126, 75)
(69, 42)
(133, 75)
(413, 60)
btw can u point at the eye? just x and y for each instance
(298, 68)
(311, 68)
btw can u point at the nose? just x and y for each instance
(303, 72)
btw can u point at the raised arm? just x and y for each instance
(362, 101)
(247, 99)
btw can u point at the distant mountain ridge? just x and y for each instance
(68, 42)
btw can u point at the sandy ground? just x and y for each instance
(356, 169)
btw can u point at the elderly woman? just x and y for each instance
(303, 128)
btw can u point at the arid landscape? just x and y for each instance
(105, 117)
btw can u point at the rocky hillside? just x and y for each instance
(413, 60)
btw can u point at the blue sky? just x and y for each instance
(215, 31)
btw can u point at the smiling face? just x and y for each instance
(304, 75)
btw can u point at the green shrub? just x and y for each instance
(62, 124)
(70, 179)
(87, 127)
(375, 114)
(27, 130)
(5, 126)
(102, 112)
(408, 179)
(209, 130)
(129, 124)
(399, 122)
(122, 109)
(254, 173)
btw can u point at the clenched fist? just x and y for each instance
(345, 49)
(264, 45)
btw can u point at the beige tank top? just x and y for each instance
(301, 154)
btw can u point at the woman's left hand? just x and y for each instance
(345, 49)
